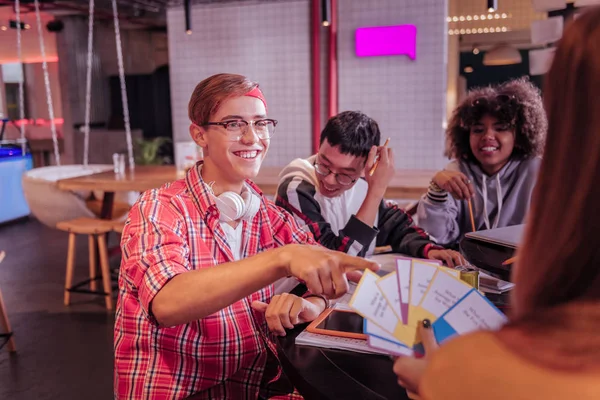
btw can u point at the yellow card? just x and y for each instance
(443, 292)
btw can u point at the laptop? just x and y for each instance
(509, 236)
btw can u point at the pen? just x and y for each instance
(374, 167)
(471, 213)
(510, 261)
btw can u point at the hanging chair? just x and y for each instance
(47, 202)
(51, 205)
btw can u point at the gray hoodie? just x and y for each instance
(500, 200)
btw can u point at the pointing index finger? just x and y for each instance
(351, 263)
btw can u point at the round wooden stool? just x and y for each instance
(96, 229)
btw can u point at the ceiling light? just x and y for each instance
(492, 5)
(326, 12)
(187, 8)
(475, 48)
(502, 54)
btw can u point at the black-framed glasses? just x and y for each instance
(237, 128)
(342, 179)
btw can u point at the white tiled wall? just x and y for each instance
(406, 97)
(268, 42)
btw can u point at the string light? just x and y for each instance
(489, 29)
(462, 18)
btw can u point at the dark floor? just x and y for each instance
(62, 352)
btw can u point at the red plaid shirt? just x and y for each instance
(170, 231)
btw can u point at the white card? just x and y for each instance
(473, 312)
(419, 281)
(403, 268)
(370, 303)
(389, 287)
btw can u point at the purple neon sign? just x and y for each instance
(387, 41)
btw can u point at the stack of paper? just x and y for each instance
(392, 306)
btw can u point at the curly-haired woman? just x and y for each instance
(495, 138)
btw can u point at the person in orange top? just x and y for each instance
(550, 349)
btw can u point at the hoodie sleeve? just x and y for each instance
(439, 215)
(396, 229)
(297, 196)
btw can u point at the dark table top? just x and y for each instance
(320, 373)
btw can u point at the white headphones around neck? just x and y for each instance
(233, 207)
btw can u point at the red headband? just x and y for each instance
(258, 94)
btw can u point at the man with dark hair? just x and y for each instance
(333, 195)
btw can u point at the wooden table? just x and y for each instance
(407, 184)
(144, 177)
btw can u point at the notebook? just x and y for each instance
(509, 236)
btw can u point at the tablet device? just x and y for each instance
(509, 236)
(338, 322)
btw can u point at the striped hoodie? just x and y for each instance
(333, 223)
